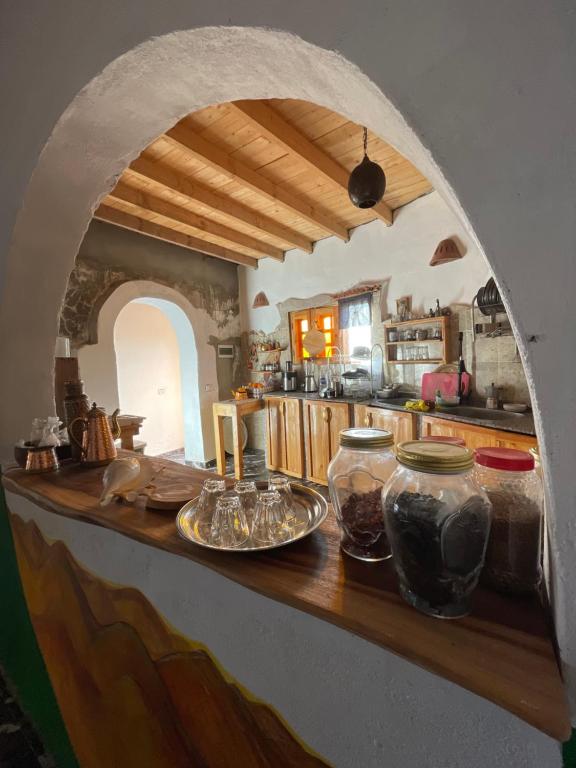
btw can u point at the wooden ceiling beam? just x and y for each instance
(278, 131)
(162, 175)
(149, 204)
(183, 138)
(136, 224)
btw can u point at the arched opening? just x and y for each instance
(113, 364)
(149, 366)
(127, 105)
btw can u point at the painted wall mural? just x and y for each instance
(132, 691)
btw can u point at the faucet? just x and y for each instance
(376, 346)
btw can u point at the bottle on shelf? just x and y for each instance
(461, 364)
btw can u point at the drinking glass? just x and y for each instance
(270, 524)
(229, 526)
(211, 492)
(281, 485)
(248, 494)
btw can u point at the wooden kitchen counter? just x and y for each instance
(504, 651)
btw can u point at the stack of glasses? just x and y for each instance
(233, 517)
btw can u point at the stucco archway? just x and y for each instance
(198, 364)
(137, 97)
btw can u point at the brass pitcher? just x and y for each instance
(97, 446)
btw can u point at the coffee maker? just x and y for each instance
(289, 383)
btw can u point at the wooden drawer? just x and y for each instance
(474, 436)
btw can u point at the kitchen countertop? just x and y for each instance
(503, 651)
(520, 423)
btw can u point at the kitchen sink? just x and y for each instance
(486, 414)
(384, 401)
(466, 411)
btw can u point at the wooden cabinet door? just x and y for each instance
(323, 425)
(402, 425)
(515, 440)
(338, 419)
(294, 436)
(275, 433)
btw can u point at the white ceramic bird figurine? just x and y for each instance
(125, 477)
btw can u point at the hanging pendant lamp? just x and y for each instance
(367, 182)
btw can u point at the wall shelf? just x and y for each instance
(433, 361)
(401, 343)
(419, 321)
(391, 346)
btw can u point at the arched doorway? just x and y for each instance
(148, 365)
(99, 361)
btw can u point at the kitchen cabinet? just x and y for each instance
(476, 436)
(402, 425)
(323, 424)
(285, 436)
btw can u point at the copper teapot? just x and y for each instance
(97, 446)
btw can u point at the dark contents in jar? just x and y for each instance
(513, 553)
(363, 523)
(438, 556)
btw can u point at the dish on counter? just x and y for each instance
(448, 401)
(386, 392)
(515, 407)
(309, 506)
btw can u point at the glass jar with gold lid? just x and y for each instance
(438, 522)
(356, 475)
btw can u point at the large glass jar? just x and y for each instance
(513, 557)
(438, 521)
(356, 475)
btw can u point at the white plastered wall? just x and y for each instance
(148, 367)
(490, 92)
(398, 255)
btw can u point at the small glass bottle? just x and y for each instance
(356, 475)
(438, 521)
(513, 557)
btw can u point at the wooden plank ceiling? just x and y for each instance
(252, 179)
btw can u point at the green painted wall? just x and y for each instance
(569, 751)
(20, 655)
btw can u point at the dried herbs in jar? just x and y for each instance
(356, 476)
(438, 521)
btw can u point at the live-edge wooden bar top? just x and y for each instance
(504, 651)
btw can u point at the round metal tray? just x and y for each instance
(310, 507)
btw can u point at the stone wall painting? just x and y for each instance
(132, 691)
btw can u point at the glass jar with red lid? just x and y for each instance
(513, 556)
